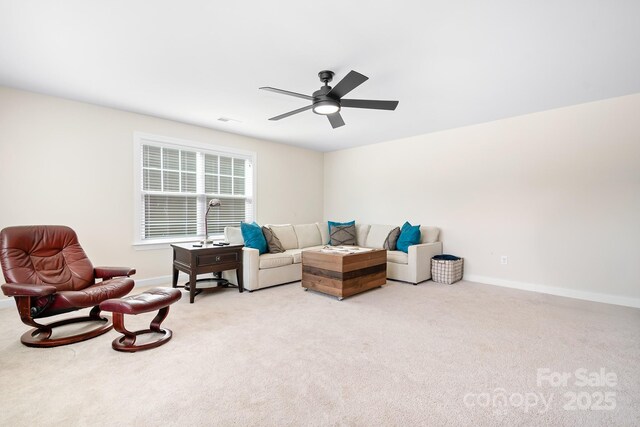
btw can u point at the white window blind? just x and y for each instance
(176, 182)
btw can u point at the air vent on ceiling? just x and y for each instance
(228, 119)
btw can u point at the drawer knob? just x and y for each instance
(218, 258)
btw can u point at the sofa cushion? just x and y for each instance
(286, 234)
(253, 237)
(343, 235)
(273, 243)
(398, 257)
(429, 234)
(275, 260)
(377, 235)
(323, 228)
(233, 235)
(308, 235)
(296, 254)
(361, 233)
(409, 235)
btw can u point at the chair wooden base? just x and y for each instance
(154, 299)
(127, 341)
(41, 336)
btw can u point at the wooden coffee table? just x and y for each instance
(343, 271)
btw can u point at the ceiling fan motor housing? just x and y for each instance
(324, 104)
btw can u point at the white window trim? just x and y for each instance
(177, 143)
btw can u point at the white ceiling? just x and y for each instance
(449, 64)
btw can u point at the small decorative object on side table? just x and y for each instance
(208, 258)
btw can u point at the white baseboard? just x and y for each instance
(158, 281)
(552, 290)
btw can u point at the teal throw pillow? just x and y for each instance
(253, 237)
(339, 224)
(409, 235)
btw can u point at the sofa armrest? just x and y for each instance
(111, 272)
(27, 290)
(250, 268)
(420, 259)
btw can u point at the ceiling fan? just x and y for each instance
(328, 101)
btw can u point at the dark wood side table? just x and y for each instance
(206, 259)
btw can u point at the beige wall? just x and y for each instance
(71, 163)
(558, 192)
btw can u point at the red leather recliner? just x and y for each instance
(48, 273)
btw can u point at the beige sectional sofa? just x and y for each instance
(261, 271)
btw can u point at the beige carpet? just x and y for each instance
(432, 354)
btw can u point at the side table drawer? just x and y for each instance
(213, 259)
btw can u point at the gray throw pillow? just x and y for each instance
(391, 240)
(273, 243)
(343, 235)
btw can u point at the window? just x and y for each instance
(176, 179)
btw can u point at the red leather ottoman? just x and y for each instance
(151, 300)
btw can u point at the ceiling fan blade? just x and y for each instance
(369, 103)
(291, 113)
(336, 120)
(286, 92)
(347, 84)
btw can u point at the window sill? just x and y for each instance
(166, 244)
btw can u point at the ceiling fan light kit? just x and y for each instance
(327, 101)
(326, 107)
